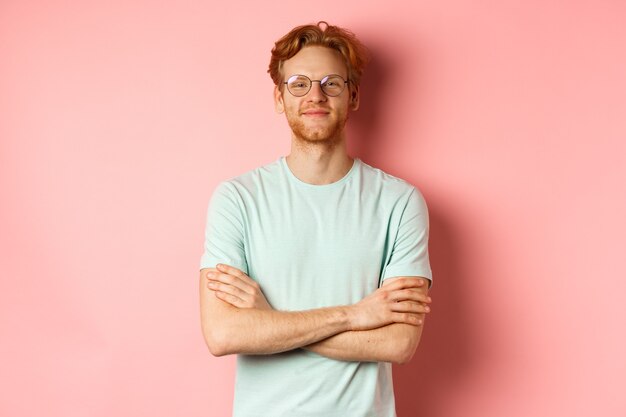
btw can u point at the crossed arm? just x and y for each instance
(385, 326)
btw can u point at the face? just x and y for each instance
(315, 117)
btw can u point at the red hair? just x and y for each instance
(354, 53)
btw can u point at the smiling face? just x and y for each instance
(315, 117)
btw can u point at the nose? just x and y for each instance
(316, 94)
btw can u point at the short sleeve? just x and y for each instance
(224, 232)
(409, 255)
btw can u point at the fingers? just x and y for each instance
(407, 294)
(233, 277)
(409, 312)
(230, 299)
(219, 286)
(407, 318)
(225, 279)
(235, 287)
(227, 287)
(406, 282)
(409, 307)
(231, 270)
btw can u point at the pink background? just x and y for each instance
(118, 118)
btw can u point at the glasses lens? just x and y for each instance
(333, 85)
(298, 85)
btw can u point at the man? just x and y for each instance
(315, 270)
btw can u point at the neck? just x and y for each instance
(319, 163)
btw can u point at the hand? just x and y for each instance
(397, 302)
(234, 287)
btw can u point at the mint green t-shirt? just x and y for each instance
(312, 246)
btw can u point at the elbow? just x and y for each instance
(217, 350)
(406, 342)
(404, 351)
(218, 342)
(401, 358)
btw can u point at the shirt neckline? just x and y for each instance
(299, 182)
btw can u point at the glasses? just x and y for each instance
(332, 85)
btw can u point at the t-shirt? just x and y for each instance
(312, 246)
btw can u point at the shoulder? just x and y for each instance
(389, 186)
(249, 182)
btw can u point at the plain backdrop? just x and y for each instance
(118, 119)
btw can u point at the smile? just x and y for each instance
(316, 113)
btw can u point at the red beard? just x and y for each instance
(328, 133)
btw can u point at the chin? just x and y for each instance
(318, 136)
(330, 134)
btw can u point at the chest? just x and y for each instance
(312, 254)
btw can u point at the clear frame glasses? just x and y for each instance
(332, 85)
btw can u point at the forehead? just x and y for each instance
(315, 62)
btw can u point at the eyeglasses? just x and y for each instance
(332, 85)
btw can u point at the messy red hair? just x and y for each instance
(355, 54)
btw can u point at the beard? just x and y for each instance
(329, 134)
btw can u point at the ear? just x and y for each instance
(354, 98)
(279, 105)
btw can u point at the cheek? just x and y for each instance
(294, 107)
(288, 102)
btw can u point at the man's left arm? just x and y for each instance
(396, 342)
(392, 343)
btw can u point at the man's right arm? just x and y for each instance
(228, 329)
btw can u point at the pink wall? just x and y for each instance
(118, 118)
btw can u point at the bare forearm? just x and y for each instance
(236, 318)
(254, 331)
(395, 342)
(392, 343)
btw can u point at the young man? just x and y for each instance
(315, 270)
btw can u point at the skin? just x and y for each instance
(228, 329)
(236, 318)
(391, 343)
